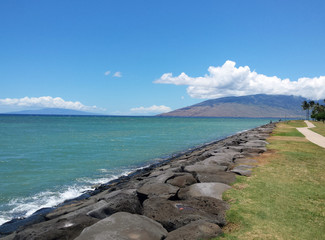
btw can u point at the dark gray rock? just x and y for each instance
(256, 150)
(195, 230)
(161, 190)
(183, 180)
(175, 214)
(198, 168)
(59, 228)
(13, 225)
(84, 210)
(74, 206)
(242, 170)
(256, 143)
(163, 177)
(213, 190)
(233, 149)
(221, 176)
(124, 226)
(118, 201)
(216, 160)
(8, 237)
(204, 156)
(245, 161)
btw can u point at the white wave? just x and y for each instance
(96, 181)
(24, 207)
(4, 219)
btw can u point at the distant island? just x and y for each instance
(51, 111)
(260, 105)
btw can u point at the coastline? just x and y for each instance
(173, 167)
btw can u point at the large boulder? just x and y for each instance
(175, 214)
(83, 211)
(253, 150)
(118, 201)
(221, 159)
(195, 230)
(213, 190)
(221, 177)
(255, 143)
(183, 180)
(161, 176)
(59, 228)
(71, 207)
(14, 224)
(199, 168)
(124, 226)
(244, 170)
(161, 190)
(245, 161)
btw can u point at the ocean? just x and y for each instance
(45, 160)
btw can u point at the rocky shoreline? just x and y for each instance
(177, 199)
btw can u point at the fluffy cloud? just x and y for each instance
(45, 102)
(229, 80)
(152, 109)
(117, 74)
(107, 73)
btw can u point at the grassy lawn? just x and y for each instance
(285, 196)
(320, 128)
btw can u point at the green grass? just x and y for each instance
(285, 196)
(289, 129)
(320, 128)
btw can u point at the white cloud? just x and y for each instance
(228, 80)
(46, 102)
(117, 74)
(152, 109)
(107, 73)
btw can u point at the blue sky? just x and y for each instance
(66, 53)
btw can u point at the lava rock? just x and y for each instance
(195, 230)
(221, 177)
(199, 168)
(182, 181)
(161, 190)
(243, 170)
(213, 190)
(118, 201)
(60, 228)
(175, 214)
(124, 226)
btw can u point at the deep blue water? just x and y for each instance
(45, 160)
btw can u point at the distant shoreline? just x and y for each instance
(138, 116)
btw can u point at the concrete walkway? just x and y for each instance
(312, 136)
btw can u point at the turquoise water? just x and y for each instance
(45, 160)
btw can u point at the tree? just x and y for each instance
(320, 116)
(311, 105)
(305, 106)
(318, 112)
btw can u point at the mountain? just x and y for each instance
(52, 111)
(260, 105)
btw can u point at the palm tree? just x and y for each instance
(305, 106)
(311, 105)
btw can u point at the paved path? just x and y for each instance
(312, 136)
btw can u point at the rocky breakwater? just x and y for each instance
(179, 199)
